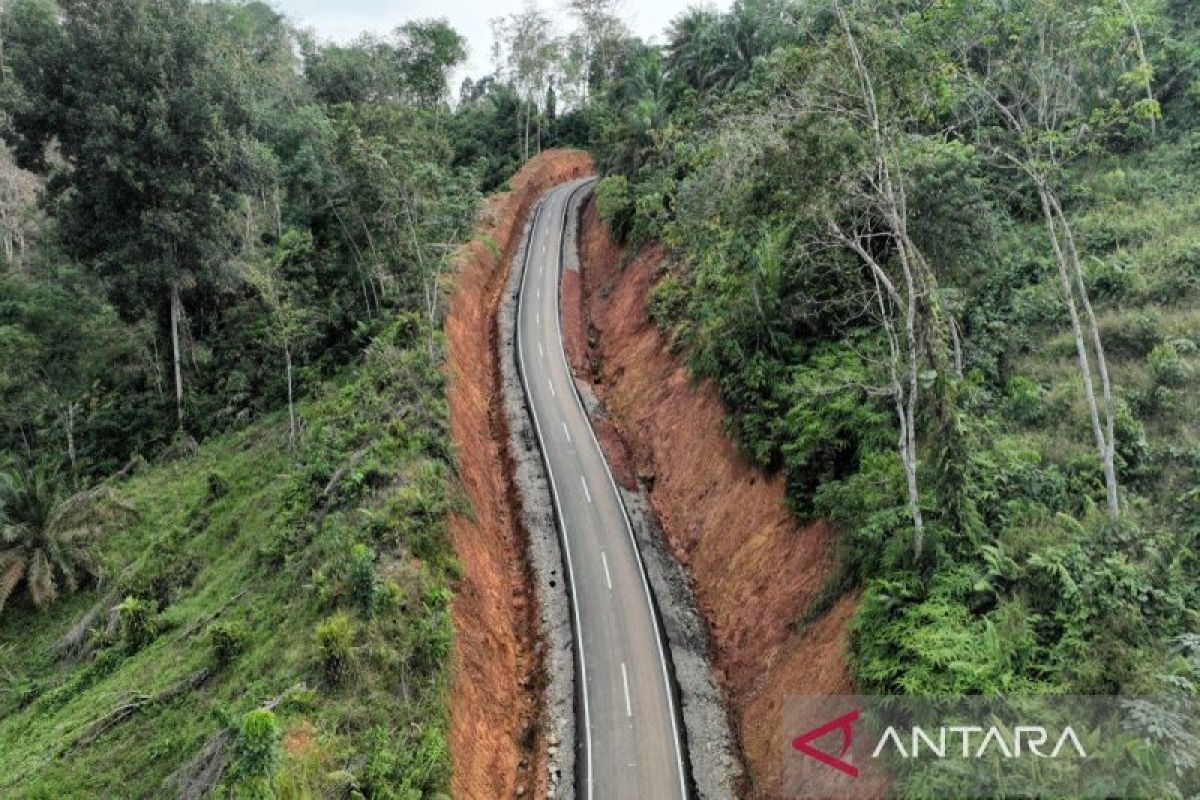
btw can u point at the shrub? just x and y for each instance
(335, 640)
(363, 583)
(138, 622)
(668, 301)
(1025, 400)
(228, 639)
(1168, 367)
(256, 756)
(615, 204)
(216, 486)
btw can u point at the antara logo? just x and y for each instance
(845, 724)
(1022, 740)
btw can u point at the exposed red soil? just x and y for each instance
(574, 335)
(494, 706)
(754, 569)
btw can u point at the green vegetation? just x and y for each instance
(940, 258)
(224, 455)
(238, 555)
(941, 261)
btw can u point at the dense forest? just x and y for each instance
(941, 258)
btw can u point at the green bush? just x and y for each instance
(335, 641)
(1025, 400)
(216, 486)
(668, 301)
(228, 639)
(138, 622)
(363, 584)
(615, 204)
(1167, 367)
(256, 756)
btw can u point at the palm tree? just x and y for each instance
(695, 49)
(44, 535)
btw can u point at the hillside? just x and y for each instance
(946, 292)
(312, 582)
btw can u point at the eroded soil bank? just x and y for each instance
(754, 570)
(495, 740)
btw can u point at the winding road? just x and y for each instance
(628, 731)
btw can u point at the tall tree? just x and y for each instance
(428, 50)
(149, 119)
(524, 52)
(599, 34)
(1043, 73)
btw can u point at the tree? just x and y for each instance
(695, 47)
(45, 536)
(524, 52)
(1039, 72)
(289, 322)
(708, 50)
(150, 121)
(428, 50)
(600, 32)
(1145, 70)
(862, 206)
(19, 190)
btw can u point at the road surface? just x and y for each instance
(629, 742)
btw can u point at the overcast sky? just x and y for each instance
(342, 21)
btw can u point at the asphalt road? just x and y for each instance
(629, 742)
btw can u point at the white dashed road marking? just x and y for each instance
(625, 681)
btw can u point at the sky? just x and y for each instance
(342, 21)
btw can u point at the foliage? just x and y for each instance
(45, 537)
(138, 622)
(747, 172)
(228, 639)
(288, 225)
(335, 642)
(235, 571)
(615, 205)
(364, 587)
(256, 756)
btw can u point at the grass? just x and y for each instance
(250, 535)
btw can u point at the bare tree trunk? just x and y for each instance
(956, 341)
(156, 365)
(287, 360)
(906, 406)
(1143, 62)
(1109, 438)
(1103, 435)
(906, 398)
(904, 389)
(175, 354)
(71, 442)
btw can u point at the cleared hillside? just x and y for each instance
(313, 582)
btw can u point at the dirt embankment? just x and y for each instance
(494, 704)
(753, 568)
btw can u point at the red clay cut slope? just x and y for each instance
(754, 569)
(494, 702)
